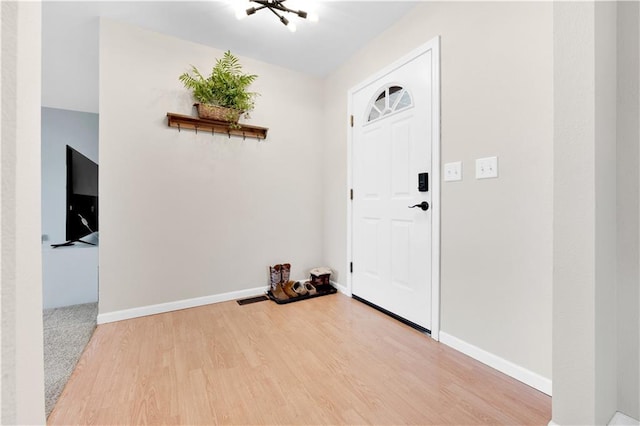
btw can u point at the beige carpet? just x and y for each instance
(66, 333)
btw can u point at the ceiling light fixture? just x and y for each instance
(276, 6)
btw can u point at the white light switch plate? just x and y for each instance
(487, 168)
(453, 171)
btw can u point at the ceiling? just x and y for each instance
(70, 36)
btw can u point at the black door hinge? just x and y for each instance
(352, 121)
(351, 194)
(351, 267)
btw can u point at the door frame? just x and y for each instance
(432, 45)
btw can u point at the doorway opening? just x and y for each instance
(70, 243)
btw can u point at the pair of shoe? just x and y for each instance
(279, 274)
(310, 289)
(296, 289)
(282, 288)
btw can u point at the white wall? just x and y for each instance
(70, 75)
(60, 128)
(69, 276)
(497, 99)
(585, 364)
(22, 388)
(574, 249)
(606, 212)
(185, 215)
(628, 213)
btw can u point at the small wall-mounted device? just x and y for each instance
(423, 182)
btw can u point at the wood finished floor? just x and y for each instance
(330, 360)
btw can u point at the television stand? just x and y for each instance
(91, 237)
(70, 243)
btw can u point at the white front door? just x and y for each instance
(392, 146)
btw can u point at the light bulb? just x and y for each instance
(292, 27)
(313, 17)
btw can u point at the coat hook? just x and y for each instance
(178, 127)
(244, 138)
(196, 127)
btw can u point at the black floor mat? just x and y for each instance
(252, 300)
(328, 289)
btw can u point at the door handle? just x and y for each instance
(423, 205)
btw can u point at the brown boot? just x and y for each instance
(288, 289)
(279, 293)
(286, 272)
(275, 276)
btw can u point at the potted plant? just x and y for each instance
(223, 95)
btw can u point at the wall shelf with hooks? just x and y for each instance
(180, 122)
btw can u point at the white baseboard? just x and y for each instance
(620, 419)
(177, 305)
(342, 289)
(527, 377)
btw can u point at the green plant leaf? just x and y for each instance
(226, 86)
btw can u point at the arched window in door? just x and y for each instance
(392, 98)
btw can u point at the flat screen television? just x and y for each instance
(82, 195)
